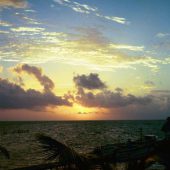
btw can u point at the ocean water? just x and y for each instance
(83, 136)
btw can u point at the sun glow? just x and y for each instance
(76, 112)
(81, 109)
(84, 113)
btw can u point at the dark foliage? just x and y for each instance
(56, 151)
(4, 152)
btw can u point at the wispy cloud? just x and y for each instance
(14, 3)
(162, 35)
(5, 24)
(148, 85)
(62, 1)
(127, 47)
(30, 10)
(1, 69)
(77, 7)
(76, 50)
(31, 20)
(4, 32)
(116, 19)
(86, 9)
(83, 8)
(119, 20)
(27, 19)
(27, 29)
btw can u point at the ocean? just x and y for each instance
(19, 137)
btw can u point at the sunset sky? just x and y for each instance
(84, 60)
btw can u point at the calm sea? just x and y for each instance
(83, 136)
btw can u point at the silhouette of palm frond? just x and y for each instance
(4, 152)
(55, 150)
(66, 156)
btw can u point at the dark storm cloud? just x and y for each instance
(13, 96)
(110, 99)
(91, 81)
(45, 81)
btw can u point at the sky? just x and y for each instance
(84, 60)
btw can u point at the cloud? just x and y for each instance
(128, 106)
(27, 29)
(160, 93)
(62, 1)
(162, 99)
(18, 80)
(12, 96)
(77, 7)
(83, 113)
(30, 10)
(86, 9)
(104, 98)
(4, 32)
(90, 81)
(119, 20)
(27, 19)
(150, 83)
(162, 35)
(5, 24)
(90, 37)
(14, 3)
(1, 69)
(127, 47)
(88, 47)
(83, 8)
(109, 99)
(157, 109)
(118, 104)
(31, 20)
(45, 81)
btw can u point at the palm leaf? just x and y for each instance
(55, 150)
(4, 152)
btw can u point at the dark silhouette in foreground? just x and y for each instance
(138, 155)
(4, 152)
